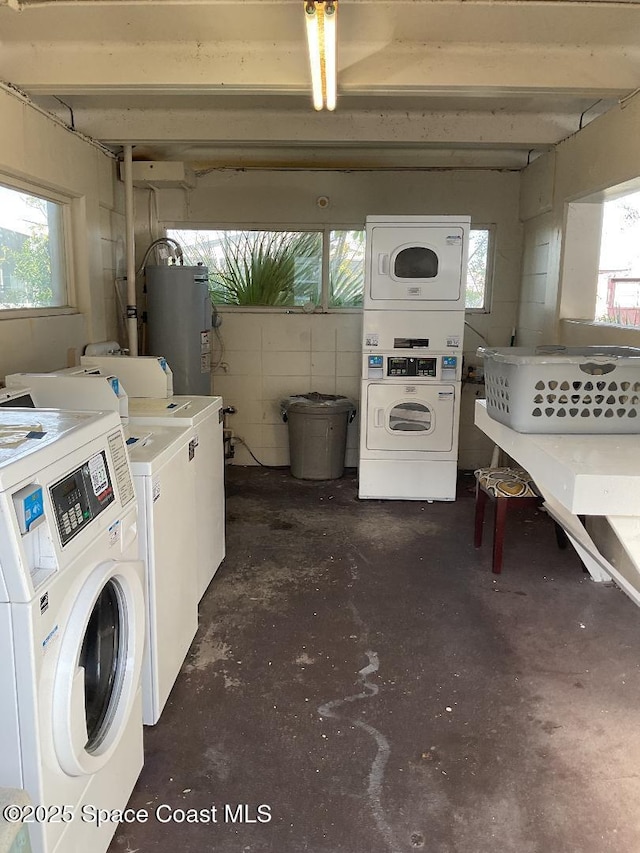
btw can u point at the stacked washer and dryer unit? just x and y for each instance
(413, 329)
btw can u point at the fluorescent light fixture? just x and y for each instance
(320, 17)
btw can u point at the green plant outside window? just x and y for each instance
(32, 257)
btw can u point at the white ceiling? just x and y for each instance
(422, 83)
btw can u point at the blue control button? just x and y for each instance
(33, 507)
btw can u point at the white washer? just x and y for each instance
(71, 622)
(164, 468)
(203, 415)
(164, 471)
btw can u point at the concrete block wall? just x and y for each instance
(268, 357)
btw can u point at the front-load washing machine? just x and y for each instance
(71, 623)
(410, 409)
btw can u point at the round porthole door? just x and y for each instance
(411, 417)
(415, 263)
(98, 670)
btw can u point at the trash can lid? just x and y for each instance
(315, 403)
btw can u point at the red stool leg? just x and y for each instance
(481, 503)
(498, 533)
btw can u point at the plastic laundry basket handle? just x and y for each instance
(594, 368)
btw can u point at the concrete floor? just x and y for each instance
(359, 670)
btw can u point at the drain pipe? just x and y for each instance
(132, 310)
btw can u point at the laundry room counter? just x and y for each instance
(586, 474)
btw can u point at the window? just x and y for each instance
(32, 251)
(478, 270)
(322, 268)
(346, 268)
(279, 268)
(618, 298)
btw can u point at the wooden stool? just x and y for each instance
(501, 485)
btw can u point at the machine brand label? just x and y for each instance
(453, 341)
(48, 640)
(445, 395)
(410, 389)
(44, 602)
(372, 339)
(414, 292)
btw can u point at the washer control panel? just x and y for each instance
(411, 366)
(81, 496)
(427, 367)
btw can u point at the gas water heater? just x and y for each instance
(179, 324)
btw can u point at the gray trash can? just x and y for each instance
(317, 434)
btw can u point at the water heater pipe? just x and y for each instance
(132, 310)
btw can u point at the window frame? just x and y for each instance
(611, 195)
(491, 255)
(66, 204)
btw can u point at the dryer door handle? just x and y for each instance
(378, 417)
(383, 264)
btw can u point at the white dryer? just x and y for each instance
(203, 417)
(71, 622)
(416, 262)
(410, 407)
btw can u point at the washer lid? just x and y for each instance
(161, 444)
(26, 431)
(182, 409)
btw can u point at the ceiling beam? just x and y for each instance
(286, 127)
(246, 66)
